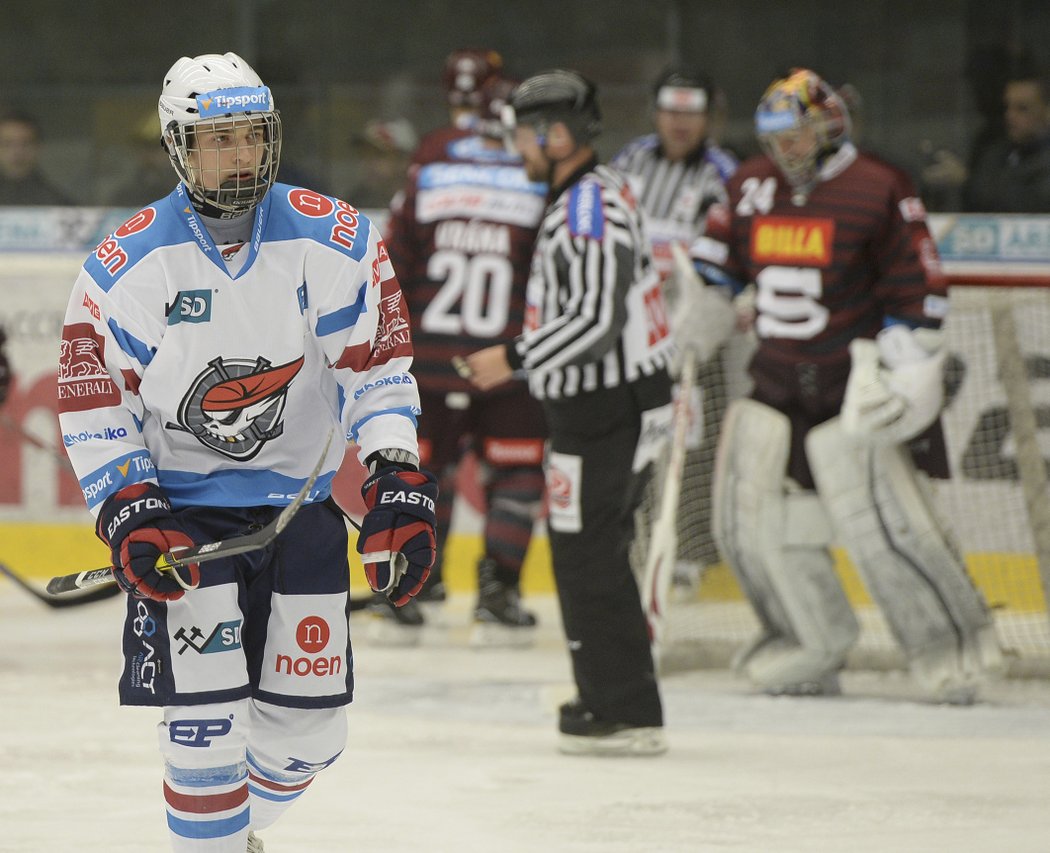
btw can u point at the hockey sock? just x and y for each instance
(205, 777)
(514, 496)
(287, 748)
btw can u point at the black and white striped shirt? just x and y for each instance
(675, 195)
(594, 309)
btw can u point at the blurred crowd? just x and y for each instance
(1005, 167)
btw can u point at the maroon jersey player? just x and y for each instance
(461, 239)
(465, 73)
(847, 392)
(838, 255)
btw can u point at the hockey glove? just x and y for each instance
(895, 388)
(397, 542)
(138, 526)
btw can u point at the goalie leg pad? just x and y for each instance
(775, 539)
(885, 520)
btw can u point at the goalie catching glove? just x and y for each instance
(398, 542)
(702, 316)
(895, 388)
(138, 526)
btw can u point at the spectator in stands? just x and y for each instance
(150, 176)
(1013, 174)
(21, 181)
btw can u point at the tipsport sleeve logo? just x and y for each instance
(236, 405)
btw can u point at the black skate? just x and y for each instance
(395, 626)
(499, 618)
(582, 733)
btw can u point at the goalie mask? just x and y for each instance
(221, 131)
(800, 122)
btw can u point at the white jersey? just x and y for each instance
(220, 377)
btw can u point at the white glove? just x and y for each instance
(702, 316)
(895, 388)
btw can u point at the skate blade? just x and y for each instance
(489, 635)
(385, 632)
(643, 741)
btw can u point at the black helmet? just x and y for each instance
(559, 95)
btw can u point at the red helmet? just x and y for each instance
(466, 70)
(495, 94)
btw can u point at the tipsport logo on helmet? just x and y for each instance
(244, 99)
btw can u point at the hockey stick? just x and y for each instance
(8, 423)
(663, 544)
(200, 553)
(58, 601)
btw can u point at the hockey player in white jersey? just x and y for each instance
(211, 344)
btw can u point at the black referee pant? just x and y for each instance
(600, 603)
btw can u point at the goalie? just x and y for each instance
(844, 410)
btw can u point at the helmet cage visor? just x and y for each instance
(229, 162)
(800, 122)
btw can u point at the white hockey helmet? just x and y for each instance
(220, 93)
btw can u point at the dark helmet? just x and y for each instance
(559, 95)
(683, 89)
(466, 70)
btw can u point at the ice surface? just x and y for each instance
(453, 749)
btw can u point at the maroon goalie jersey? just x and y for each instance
(855, 256)
(461, 241)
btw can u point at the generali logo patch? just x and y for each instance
(792, 240)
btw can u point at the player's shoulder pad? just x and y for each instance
(297, 213)
(584, 213)
(155, 226)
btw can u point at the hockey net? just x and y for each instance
(997, 503)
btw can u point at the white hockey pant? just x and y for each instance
(234, 766)
(883, 515)
(774, 537)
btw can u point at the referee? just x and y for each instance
(595, 349)
(677, 173)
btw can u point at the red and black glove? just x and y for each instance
(138, 526)
(398, 541)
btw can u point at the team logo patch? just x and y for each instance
(83, 382)
(309, 203)
(792, 240)
(190, 306)
(236, 405)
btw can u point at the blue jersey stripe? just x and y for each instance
(345, 317)
(238, 487)
(404, 411)
(131, 345)
(221, 828)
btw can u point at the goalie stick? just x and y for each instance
(663, 542)
(200, 553)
